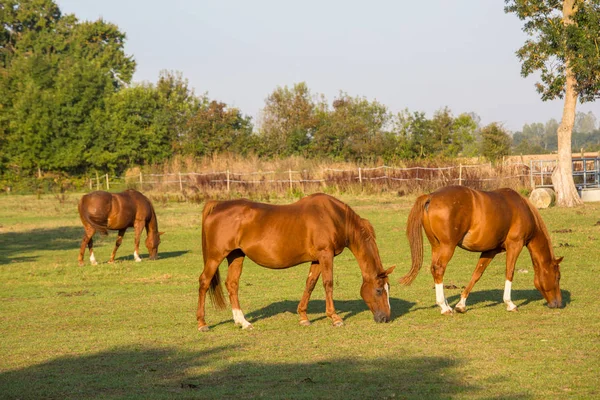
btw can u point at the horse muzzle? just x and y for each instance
(555, 304)
(380, 317)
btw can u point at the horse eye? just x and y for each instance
(379, 291)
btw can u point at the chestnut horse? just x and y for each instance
(486, 222)
(101, 211)
(315, 229)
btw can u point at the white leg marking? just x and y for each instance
(462, 304)
(510, 306)
(387, 291)
(239, 319)
(440, 299)
(136, 256)
(93, 259)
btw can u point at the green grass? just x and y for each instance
(128, 330)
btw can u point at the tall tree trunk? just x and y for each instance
(562, 177)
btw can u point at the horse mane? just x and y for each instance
(360, 231)
(539, 222)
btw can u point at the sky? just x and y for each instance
(415, 55)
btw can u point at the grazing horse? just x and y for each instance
(101, 211)
(486, 222)
(315, 229)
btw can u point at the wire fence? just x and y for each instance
(382, 178)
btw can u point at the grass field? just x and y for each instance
(128, 330)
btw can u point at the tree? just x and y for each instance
(495, 142)
(563, 47)
(216, 128)
(288, 120)
(356, 129)
(54, 73)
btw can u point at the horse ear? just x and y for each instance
(387, 271)
(160, 233)
(559, 259)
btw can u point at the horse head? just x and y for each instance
(547, 281)
(152, 242)
(376, 293)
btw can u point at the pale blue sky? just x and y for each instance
(420, 55)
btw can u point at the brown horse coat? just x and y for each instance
(486, 222)
(103, 211)
(314, 229)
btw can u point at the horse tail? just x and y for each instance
(215, 290)
(99, 224)
(414, 231)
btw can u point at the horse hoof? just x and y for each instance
(305, 322)
(447, 312)
(138, 260)
(460, 310)
(111, 261)
(203, 328)
(512, 309)
(337, 324)
(81, 263)
(248, 327)
(94, 262)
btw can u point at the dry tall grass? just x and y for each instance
(231, 176)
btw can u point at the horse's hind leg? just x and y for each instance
(87, 241)
(210, 268)
(311, 281)
(484, 260)
(440, 257)
(117, 244)
(235, 259)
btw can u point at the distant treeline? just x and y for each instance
(68, 105)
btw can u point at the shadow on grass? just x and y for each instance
(521, 298)
(148, 373)
(15, 246)
(345, 309)
(144, 255)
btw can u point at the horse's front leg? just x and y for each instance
(117, 244)
(512, 253)
(326, 263)
(311, 281)
(138, 227)
(484, 260)
(235, 260)
(441, 255)
(87, 241)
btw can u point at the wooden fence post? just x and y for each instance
(180, 183)
(460, 174)
(360, 175)
(531, 181)
(91, 183)
(227, 181)
(97, 181)
(290, 175)
(141, 181)
(107, 184)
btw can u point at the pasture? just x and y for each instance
(128, 330)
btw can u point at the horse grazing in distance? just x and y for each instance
(486, 222)
(101, 211)
(315, 229)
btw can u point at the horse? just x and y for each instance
(487, 222)
(315, 229)
(101, 211)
